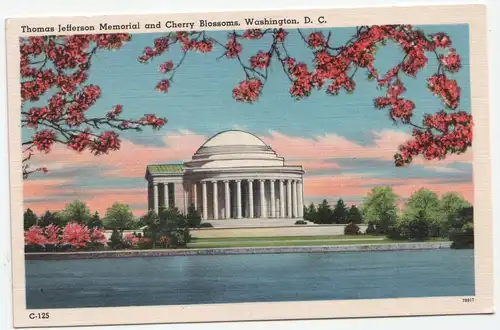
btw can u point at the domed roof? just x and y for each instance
(234, 148)
(232, 138)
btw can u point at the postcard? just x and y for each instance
(246, 166)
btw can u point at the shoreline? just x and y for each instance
(237, 250)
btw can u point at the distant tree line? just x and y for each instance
(424, 216)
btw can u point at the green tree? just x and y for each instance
(77, 211)
(426, 202)
(379, 209)
(450, 207)
(118, 216)
(152, 221)
(96, 221)
(418, 229)
(462, 229)
(354, 215)
(30, 219)
(340, 212)
(193, 217)
(310, 213)
(116, 240)
(54, 218)
(175, 226)
(324, 214)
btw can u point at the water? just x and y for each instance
(248, 278)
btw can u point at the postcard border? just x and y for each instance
(474, 15)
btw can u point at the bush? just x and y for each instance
(370, 230)
(145, 243)
(164, 241)
(116, 241)
(129, 240)
(206, 225)
(301, 222)
(193, 217)
(394, 232)
(463, 238)
(351, 229)
(418, 229)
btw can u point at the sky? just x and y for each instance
(345, 145)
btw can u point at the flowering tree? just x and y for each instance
(334, 69)
(56, 99)
(98, 236)
(130, 240)
(52, 233)
(76, 235)
(35, 236)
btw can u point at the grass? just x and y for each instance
(283, 238)
(290, 243)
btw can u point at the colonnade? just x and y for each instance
(248, 198)
(236, 199)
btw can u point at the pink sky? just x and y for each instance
(317, 153)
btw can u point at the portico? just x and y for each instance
(233, 175)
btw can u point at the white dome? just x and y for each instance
(234, 137)
(232, 149)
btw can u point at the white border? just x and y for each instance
(200, 9)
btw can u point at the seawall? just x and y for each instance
(237, 250)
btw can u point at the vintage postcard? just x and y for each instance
(244, 166)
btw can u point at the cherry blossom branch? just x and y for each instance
(335, 68)
(63, 118)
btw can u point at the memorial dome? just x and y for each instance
(234, 148)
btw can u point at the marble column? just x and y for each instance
(185, 195)
(282, 200)
(300, 195)
(195, 195)
(294, 199)
(155, 197)
(215, 202)
(273, 200)
(262, 188)
(289, 198)
(250, 199)
(227, 199)
(204, 200)
(165, 194)
(238, 199)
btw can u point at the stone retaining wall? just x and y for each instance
(238, 250)
(296, 230)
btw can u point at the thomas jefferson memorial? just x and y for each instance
(233, 177)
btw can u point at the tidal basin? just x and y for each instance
(184, 280)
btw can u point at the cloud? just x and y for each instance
(130, 160)
(354, 186)
(97, 199)
(331, 146)
(349, 169)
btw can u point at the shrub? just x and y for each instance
(394, 232)
(164, 241)
(462, 238)
(370, 230)
(301, 222)
(351, 229)
(129, 240)
(206, 225)
(116, 240)
(418, 229)
(193, 217)
(144, 243)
